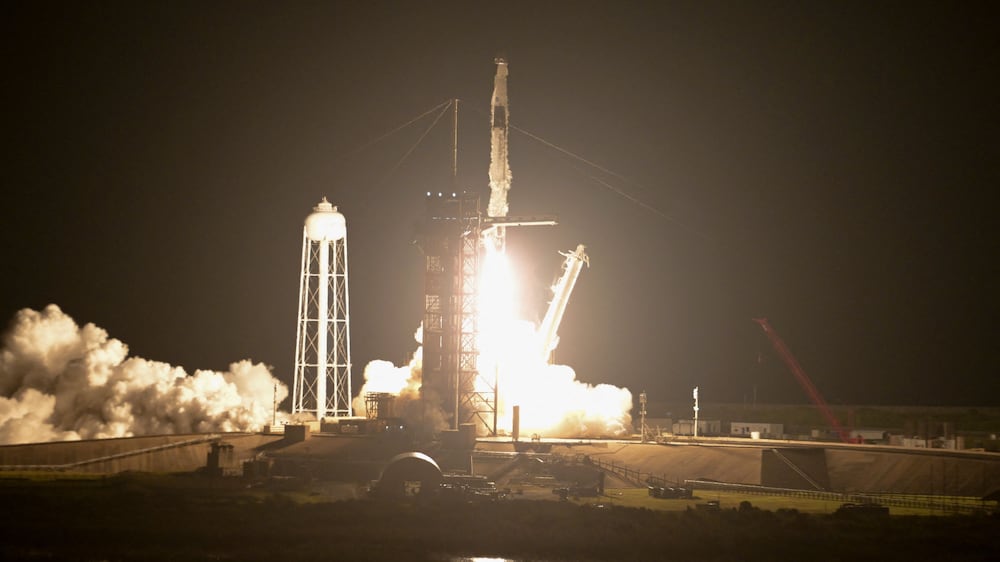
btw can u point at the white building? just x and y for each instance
(748, 429)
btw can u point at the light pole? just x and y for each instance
(642, 414)
(695, 395)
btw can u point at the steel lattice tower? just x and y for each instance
(322, 343)
(476, 396)
(451, 241)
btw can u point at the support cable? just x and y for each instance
(620, 192)
(392, 170)
(355, 151)
(574, 156)
(649, 207)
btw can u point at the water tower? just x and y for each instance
(322, 342)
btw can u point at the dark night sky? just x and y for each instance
(827, 164)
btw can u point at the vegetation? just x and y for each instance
(640, 498)
(159, 517)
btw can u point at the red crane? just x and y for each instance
(804, 380)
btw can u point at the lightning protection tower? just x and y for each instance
(322, 343)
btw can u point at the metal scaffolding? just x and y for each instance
(451, 242)
(322, 346)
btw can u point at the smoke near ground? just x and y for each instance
(553, 403)
(60, 381)
(419, 408)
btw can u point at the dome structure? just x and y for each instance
(409, 468)
(325, 223)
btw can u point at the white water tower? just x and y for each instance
(322, 342)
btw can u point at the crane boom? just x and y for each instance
(804, 380)
(560, 298)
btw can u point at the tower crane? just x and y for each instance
(804, 380)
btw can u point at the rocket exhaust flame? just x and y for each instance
(59, 381)
(513, 354)
(552, 401)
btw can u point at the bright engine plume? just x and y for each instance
(59, 381)
(552, 401)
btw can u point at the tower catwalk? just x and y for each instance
(322, 343)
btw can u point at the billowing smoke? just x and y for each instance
(552, 401)
(59, 381)
(419, 408)
(563, 406)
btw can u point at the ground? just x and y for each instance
(181, 517)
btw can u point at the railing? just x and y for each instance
(944, 504)
(106, 458)
(630, 474)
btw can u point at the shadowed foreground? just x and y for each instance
(120, 519)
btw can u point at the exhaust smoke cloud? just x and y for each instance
(419, 408)
(60, 381)
(553, 402)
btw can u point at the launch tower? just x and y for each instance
(455, 229)
(450, 242)
(322, 344)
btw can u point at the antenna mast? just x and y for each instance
(454, 147)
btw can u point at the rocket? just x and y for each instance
(499, 166)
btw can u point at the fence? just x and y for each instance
(632, 475)
(944, 504)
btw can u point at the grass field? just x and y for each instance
(182, 517)
(640, 498)
(631, 497)
(325, 492)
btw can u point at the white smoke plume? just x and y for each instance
(418, 408)
(59, 381)
(552, 401)
(563, 406)
(382, 376)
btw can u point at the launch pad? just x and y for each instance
(451, 240)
